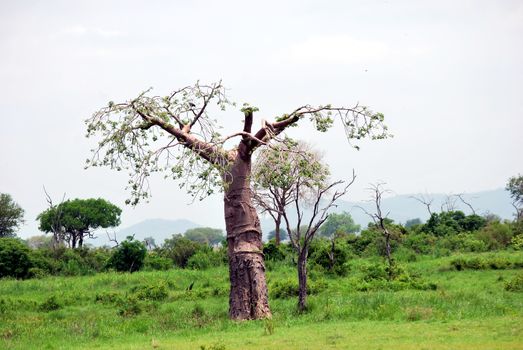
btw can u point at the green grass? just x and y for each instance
(470, 309)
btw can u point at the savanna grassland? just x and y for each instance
(466, 301)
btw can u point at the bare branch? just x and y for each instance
(425, 200)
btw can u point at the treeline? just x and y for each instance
(337, 244)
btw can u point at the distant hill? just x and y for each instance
(159, 229)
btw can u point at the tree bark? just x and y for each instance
(248, 298)
(302, 279)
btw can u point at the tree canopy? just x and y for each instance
(76, 219)
(338, 223)
(11, 216)
(206, 235)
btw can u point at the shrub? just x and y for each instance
(417, 313)
(515, 284)
(289, 288)
(496, 235)
(484, 263)
(332, 259)
(204, 259)
(153, 261)
(517, 242)
(150, 292)
(129, 307)
(273, 252)
(50, 304)
(128, 256)
(15, 258)
(179, 249)
(108, 298)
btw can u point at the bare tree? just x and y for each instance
(426, 200)
(460, 196)
(310, 188)
(176, 134)
(59, 234)
(449, 204)
(379, 219)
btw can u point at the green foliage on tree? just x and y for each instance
(341, 223)
(77, 218)
(15, 260)
(453, 222)
(129, 256)
(11, 216)
(205, 235)
(179, 249)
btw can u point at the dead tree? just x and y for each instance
(425, 200)
(379, 219)
(460, 196)
(315, 193)
(176, 135)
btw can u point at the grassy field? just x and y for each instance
(469, 309)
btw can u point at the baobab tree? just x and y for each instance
(177, 135)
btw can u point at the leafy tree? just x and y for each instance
(176, 134)
(11, 216)
(128, 256)
(283, 236)
(78, 218)
(453, 222)
(180, 249)
(413, 222)
(15, 258)
(206, 235)
(515, 187)
(341, 223)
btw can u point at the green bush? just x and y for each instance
(153, 261)
(150, 292)
(50, 304)
(179, 249)
(128, 256)
(496, 235)
(274, 252)
(129, 307)
(515, 284)
(204, 259)
(15, 258)
(108, 298)
(289, 288)
(517, 242)
(484, 263)
(332, 259)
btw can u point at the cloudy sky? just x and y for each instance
(448, 75)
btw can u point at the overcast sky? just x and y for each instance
(448, 75)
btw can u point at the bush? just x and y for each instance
(15, 258)
(333, 261)
(108, 298)
(517, 242)
(496, 235)
(273, 252)
(515, 284)
(179, 249)
(150, 292)
(153, 261)
(50, 304)
(204, 259)
(129, 307)
(484, 263)
(289, 288)
(128, 256)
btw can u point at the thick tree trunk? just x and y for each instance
(248, 297)
(302, 280)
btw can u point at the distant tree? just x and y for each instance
(180, 249)
(205, 235)
(338, 223)
(150, 243)
(452, 222)
(283, 235)
(78, 218)
(515, 188)
(129, 256)
(380, 222)
(11, 216)
(413, 222)
(40, 241)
